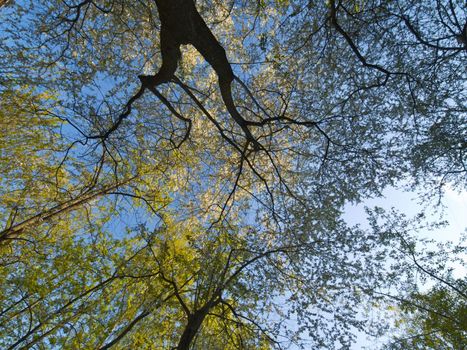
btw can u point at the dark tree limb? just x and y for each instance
(182, 24)
(14, 230)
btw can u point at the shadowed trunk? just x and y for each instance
(195, 320)
(181, 23)
(191, 329)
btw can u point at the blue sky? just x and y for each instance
(454, 211)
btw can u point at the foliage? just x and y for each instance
(432, 320)
(425, 300)
(202, 210)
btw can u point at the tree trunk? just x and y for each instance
(191, 329)
(181, 24)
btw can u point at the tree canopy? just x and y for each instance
(174, 172)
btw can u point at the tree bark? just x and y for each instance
(191, 329)
(181, 24)
(4, 2)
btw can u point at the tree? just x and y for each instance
(206, 182)
(432, 320)
(428, 304)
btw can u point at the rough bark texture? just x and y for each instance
(182, 24)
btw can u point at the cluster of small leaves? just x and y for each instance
(122, 221)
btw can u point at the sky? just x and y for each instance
(454, 211)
